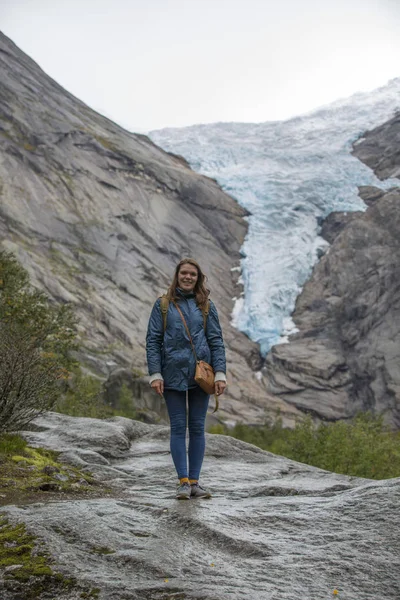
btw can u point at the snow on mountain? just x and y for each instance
(289, 175)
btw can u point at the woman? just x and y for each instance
(172, 365)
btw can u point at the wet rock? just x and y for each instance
(108, 438)
(273, 529)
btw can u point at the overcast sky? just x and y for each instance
(149, 64)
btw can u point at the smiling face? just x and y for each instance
(187, 277)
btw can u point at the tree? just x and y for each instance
(36, 343)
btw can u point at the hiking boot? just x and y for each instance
(199, 492)
(183, 492)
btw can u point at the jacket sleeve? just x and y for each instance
(154, 339)
(215, 341)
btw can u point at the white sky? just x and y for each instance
(149, 64)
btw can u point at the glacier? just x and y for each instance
(289, 175)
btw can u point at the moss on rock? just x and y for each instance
(33, 474)
(28, 569)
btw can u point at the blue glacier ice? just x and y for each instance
(288, 175)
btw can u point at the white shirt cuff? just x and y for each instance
(155, 376)
(220, 376)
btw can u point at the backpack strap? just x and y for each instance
(205, 312)
(164, 304)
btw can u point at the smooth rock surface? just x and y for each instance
(346, 355)
(274, 529)
(100, 217)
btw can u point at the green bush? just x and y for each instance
(11, 444)
(36, 340)
(125, 403)
(362, 447)
(84, 398)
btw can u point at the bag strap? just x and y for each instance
(187, 328)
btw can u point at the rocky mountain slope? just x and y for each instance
(274, 528)
(100, 217)
(346, 356)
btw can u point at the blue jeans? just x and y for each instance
(198, 404)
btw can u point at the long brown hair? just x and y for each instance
(200, 290)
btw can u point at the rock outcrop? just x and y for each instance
(100, 217)
(346, 355)
(274, 528)
(380, 149)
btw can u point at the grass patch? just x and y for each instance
(12, 444)
(363, 447)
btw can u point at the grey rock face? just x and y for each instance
(369, 194)
(334, 224)
(380, 149)
(100, 217)
(274, 527)
(346, 356)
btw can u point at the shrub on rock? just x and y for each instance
(36, 341)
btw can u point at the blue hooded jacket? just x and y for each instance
(171, 353)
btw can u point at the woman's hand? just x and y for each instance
(158, 386)
(220, 387)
